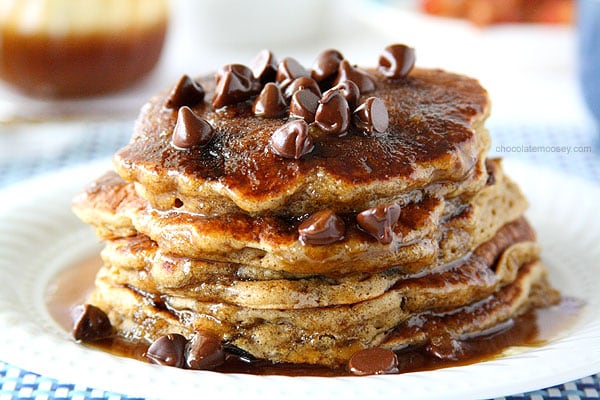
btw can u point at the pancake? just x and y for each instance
(435, 144)
(137, 262)
(324, 335)
(429, 233)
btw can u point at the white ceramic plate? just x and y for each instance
(40, 237)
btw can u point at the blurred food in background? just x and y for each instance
(487, 12)
(237, 24)
(77, 48)
(588, 52)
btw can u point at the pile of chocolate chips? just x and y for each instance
(319, 101)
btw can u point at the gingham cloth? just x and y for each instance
(570, 147)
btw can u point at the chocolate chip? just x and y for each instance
(347, 72)
(322, 227)
(375, 361)
(186, 92)
(270, 102)
(191, 130)
(288, 70)
(349, 90)
(371, 116)
(168, 350)
(244, 73)
(304, 105)
(397, 61)
(235, 83)
(292, 140)
(333, 114)
(379, 221)
(264, 66)
(90, 323)
(303, 82)
(204, 351)
(326, 65)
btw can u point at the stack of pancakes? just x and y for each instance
(214, 237)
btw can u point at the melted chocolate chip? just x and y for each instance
(346, 72)
(90, 323)
(204, 351)
(333, 114)
(326, 65)
(288, 70)
(304, 104)
(302, 83)
(371, 116)
(379, 221)
(349, 90)
(168, 350)
(397, 61)
(322, 227)
(270, 103)
(292, 140)
(186, 92)
(191, 130)
(375, 361)
(264, 66)
(235, 83)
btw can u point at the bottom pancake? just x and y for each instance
(325, 336)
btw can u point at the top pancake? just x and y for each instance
(435, 143)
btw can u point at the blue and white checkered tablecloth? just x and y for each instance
(572, 148)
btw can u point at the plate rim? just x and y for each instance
(297, 387)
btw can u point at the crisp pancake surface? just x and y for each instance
(434, 143)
